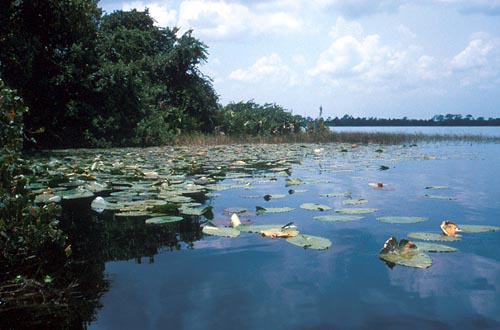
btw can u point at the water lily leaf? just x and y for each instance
(285, 232)
(477, 228)
(235, 209)
(75, 194)
(449, 198)
(256, 228)
(404, 253)
(310, 242)
(133, 214)
(437, 187)
(220, 231)
(293, 182)
(261, 209)
(433, 237)
(341, 194)
(164, 219)
(315, 207)
(196, 211)
(402, 219)
(47, 198)
(274, 196)
(355, 201)
(433, 247)
(356, 210)
(337, 217)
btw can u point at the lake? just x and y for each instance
(443, 130)
(254, 282)
(175, 276)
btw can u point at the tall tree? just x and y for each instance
(48, 55)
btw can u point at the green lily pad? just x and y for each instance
(341, 194)
(433, 237)
(355, 201)
(133, 214)
(220, 231)
(75, 194)
(235, 209)
(47, 198)
(337, 217)
(293, 182)
(404, 253)
(163, 219)
(354, 210)
(261, 209)
(402, 219)
(477, 228)
(315, 207)
(257, 228)
(448, 198)
(433, 247)
(310, 242)
(437, 187)
(196, 211)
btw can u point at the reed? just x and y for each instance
(330, 137)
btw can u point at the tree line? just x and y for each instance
(437, 120)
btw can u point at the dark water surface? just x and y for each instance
(254, 282)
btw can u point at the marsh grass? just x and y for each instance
(331, 137)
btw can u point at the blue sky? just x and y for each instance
(367, 58)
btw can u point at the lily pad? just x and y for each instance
(433, 247)
(355, 201)
(310, 242)
(354, 210)
(402, 219)
(235, 209)
(442, 197)
(284, 231)
(220, 231)
(340, 194)
(477, 228)
(433, 237)
(337, 217)
(257, 228)
(75, 194)
(164, 219)
(315, 207)
(293, 182)
(404, 253)
(261, 209)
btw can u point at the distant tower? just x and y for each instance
(320, 112)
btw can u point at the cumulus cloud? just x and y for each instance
(162, 14)
(268, 68)
(354, 59)
(475, 54)
(215, 20)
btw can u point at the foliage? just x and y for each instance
(250, 118)
(29, 234)
(48, 55)
(113, 80)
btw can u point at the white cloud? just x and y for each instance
(485, 7)
(160, 12)
(268, 68)
(475, 54)
(215, 20)
(344, 28)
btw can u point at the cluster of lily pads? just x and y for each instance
(172, 184)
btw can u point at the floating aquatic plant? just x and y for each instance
(163, 219)
(337, 217)
(315, 207)
(402, 219)
(261, 209)
(432, 237)
(310, 242)
(212, 230)
(356, 210)
(477, 228)
(403, 253)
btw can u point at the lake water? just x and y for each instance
(254, 282)
(444, 130)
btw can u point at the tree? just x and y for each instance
(48, 55)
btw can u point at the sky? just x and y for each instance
(365, 58)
